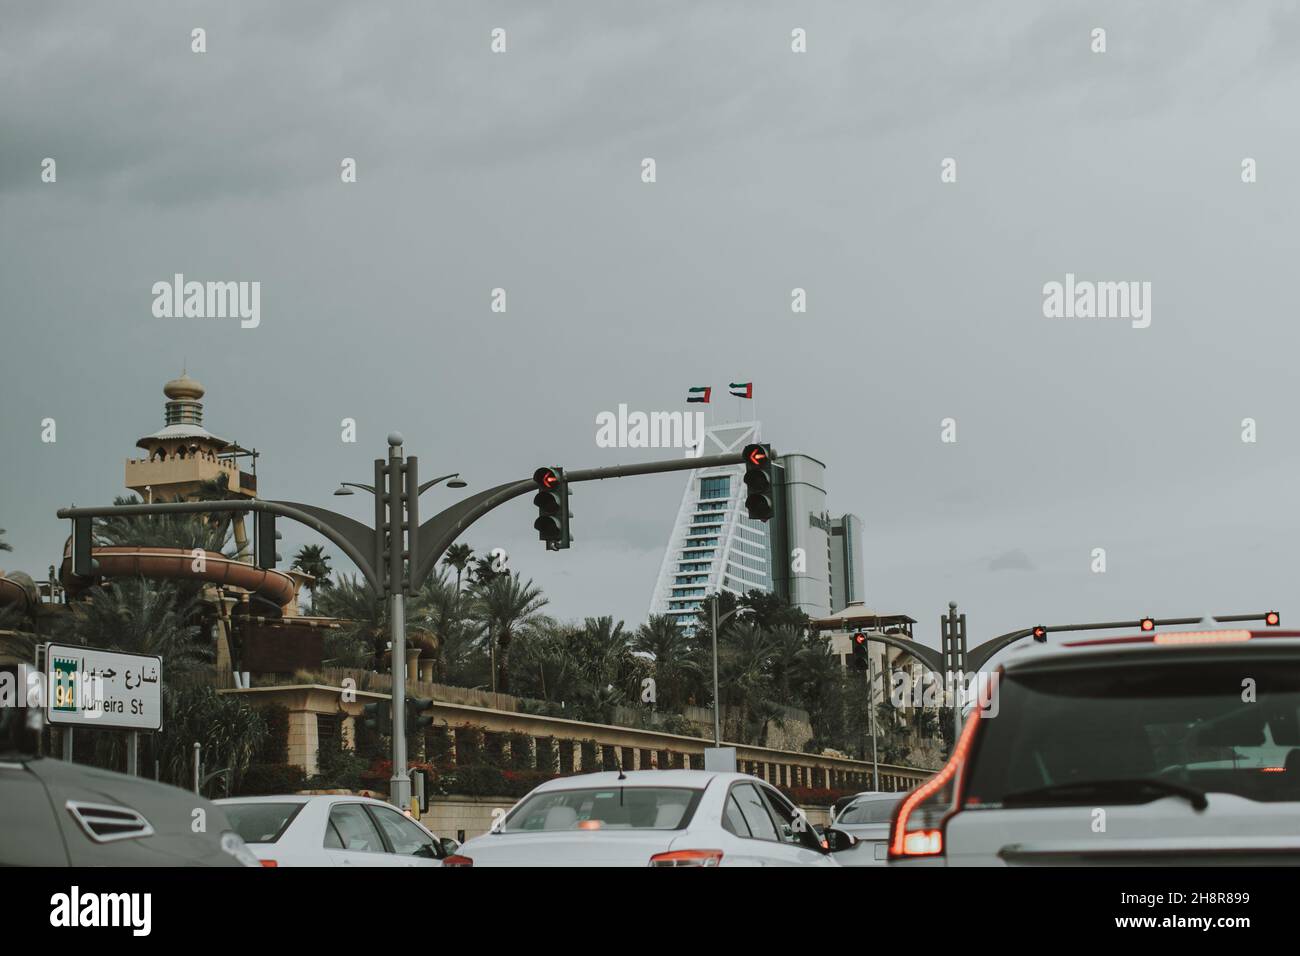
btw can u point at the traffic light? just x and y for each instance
(552, 501)
(265, 536)
(758, 481)
(414, 719)
(1272, 619)
(378, 717)
(860, 651)
(83, 565)
(1148, 623)
(1040, 634)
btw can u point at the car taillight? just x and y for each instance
(457, 860)
(687, 858)
(269, 863)
(928, 840)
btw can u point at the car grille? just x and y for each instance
(104, 823)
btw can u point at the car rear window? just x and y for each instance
(1213, 726)
(868, 811)
(260, 822)
(605, 808)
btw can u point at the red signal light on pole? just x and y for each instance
(1040, 634)
(757, 455)
(860, 651)
(760, 495)
(1272, 619)
(1148, 624)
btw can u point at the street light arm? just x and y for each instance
(438, 533)
(425, 486)
(353, 484)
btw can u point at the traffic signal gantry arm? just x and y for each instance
(441, 531)
(360, 543)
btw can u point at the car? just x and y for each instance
(1177, 747)
(867, 819)
(652, 818)
(58, 813)
(331, 830)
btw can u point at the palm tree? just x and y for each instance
(444, 611)
(676, 664)
(362, 639)
(507, 607)
(458, 556)
(4, 545)
(140, 616)
(312, 559)
(161, 531)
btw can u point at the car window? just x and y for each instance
(406, 838)
(869, 811)
(792, 826)
(755, 812)
(733, 821)
(350, 828)
(1185, 723)
(605, 808)
(260, 822)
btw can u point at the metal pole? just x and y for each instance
(717, 701)
(67, 744)
(197, 770)
(871, 714)
(399, 785)
(133, 753)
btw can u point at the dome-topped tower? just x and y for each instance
(183, 456)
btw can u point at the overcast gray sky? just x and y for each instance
(775, 170)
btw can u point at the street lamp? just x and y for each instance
(717, 701)
(455, 482)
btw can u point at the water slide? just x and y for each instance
(178, 563)
(18, 590)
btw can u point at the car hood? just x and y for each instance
(569, 847)
(187, 828)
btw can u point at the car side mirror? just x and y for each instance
(837, 840)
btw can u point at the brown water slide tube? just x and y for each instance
(171, 563)
(18, 590)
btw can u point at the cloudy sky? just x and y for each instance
(775, 170)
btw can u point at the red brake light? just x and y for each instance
(929, 842)
(269, 863)
(1201, 637)
(687, 858)
(457, 860)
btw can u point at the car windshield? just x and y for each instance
(605, 808)
(1064, 737)
(260, 822)
(868, 811)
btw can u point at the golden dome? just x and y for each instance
(183, 388)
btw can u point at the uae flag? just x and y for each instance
(699, 393)
(742, 389)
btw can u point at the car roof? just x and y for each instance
(693, 779)
(303, 798)
(1163, 645)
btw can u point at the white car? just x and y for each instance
(867, 820)
(650, 818)
(331, 830)
(1177, 748)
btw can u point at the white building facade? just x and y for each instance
(810, 559)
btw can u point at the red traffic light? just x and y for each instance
(859, 638)
(546, 478)
(1040, 633)
(757, 455)
(1148, 624)
(1272, 619)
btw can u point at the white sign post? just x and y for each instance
(88, 687)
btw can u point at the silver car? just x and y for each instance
(661, 818)
(867, 820)
(55, 813)
(1177, 748)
